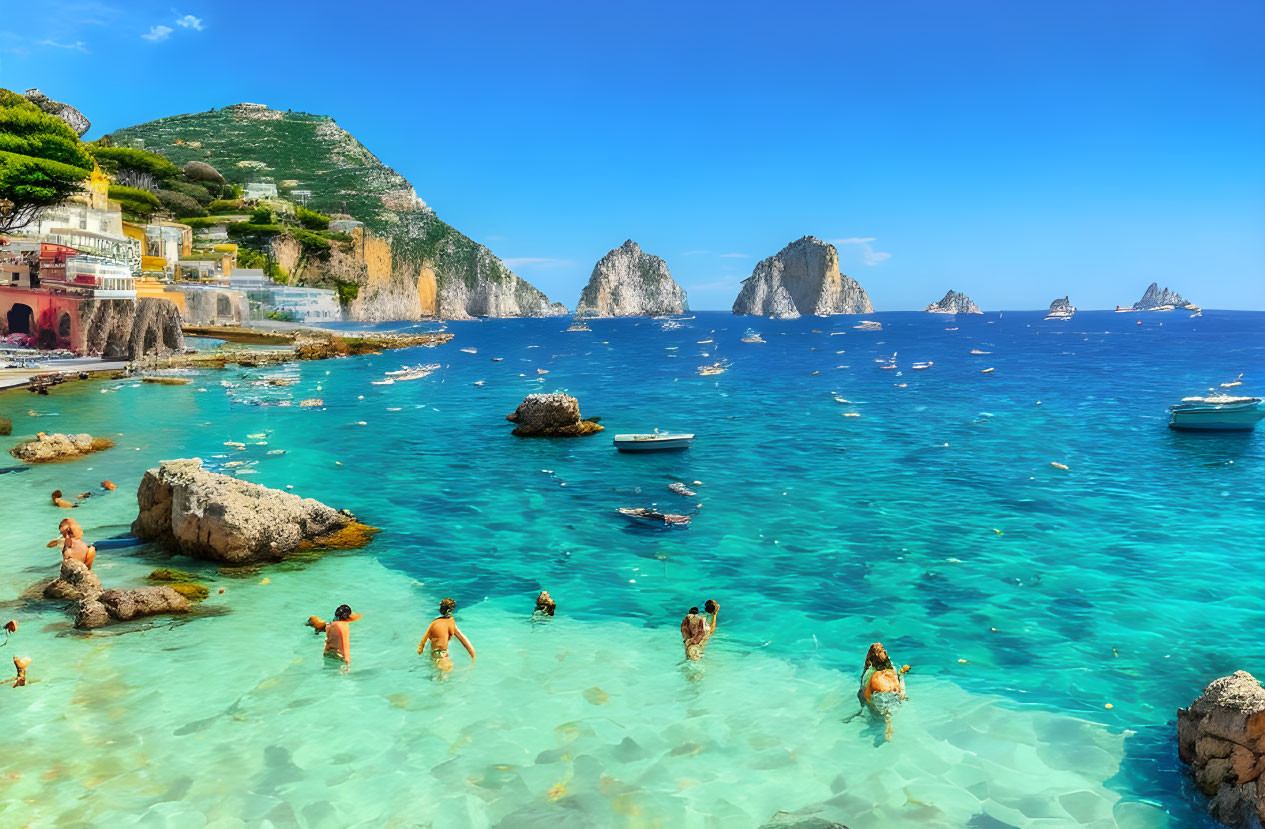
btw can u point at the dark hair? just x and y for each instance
(709, 606)
(877, 658)
(693, 611)
(343, 613)
(446, 607)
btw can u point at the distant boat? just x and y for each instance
(869, 325)
(752, 336)
(668, 519)
(922, 366)
(1216, 412)
(1120, 309)
(388, 381)
(656, 442)
(579, 325)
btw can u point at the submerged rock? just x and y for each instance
(628, 282)
(58, 447)
(954, 303)
(222, 518)
(1154, 300)
(552, 416)
(126, 605)
(6, 426)
(803, 278)
(1222, 737)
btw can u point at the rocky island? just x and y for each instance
(803, 278)
(1060, 308)
(554, 415)
(627, 282)
(1155, 299)
(1221, 736)
(953, 303)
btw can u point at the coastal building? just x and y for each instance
(260, 190)
(168, 241)
(345, 225)
(89, 222)
(271, 300)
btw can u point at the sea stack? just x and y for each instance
(1222, 737)
(954, 303)
(1156, 300)
(627, 282)
(803, 278)
(1061, 308)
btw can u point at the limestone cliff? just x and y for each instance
(803, 278)
(954, 303)
(131, 328)
(628, 282)
(1154, 299)
(66, 112)
(434, 270)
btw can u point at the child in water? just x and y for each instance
(72, 543)
(884, 690)
(338, 635)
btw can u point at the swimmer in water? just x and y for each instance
(545, 605)
(338, 635)
(440, 632)
(72, 543)
(59, 501)
(694, 633)
(21, 663)
(884, 690)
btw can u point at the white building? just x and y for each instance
(304, 304)
(260, 190)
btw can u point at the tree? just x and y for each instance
(42, 161)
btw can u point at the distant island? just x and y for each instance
(627, 282)
(1156, 300)
(803, 278)
(954, 303)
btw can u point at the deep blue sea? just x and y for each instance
(1054, 619)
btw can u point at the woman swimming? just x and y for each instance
(694, 633)
(545, 606)
(884, 690)
(338, 635)
(440, 633)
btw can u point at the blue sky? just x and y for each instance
(1016, 151)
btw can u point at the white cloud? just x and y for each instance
(735, 256)
(869, 255)
(694, 253)
(190, 22)
(158, 34)
(11, 44)
(78, 45)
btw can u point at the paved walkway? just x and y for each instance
(12, 378)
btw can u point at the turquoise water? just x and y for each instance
(933, 522)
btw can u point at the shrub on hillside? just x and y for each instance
(201, 171)
(179, 204)
(312, 220)
(194, 191)
(261, 216)
(226, 206)
(116, 159)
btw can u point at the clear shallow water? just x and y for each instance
(1132, 578)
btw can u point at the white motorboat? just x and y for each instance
(386, 382)
(656, 442)
(1217, 412)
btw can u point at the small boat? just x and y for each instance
(655, 517)
(384, 382)
(752, 336)
(1120, 309)
(1216, 412)
(713, 369)
(921, 366)
(578, 325)
(869, 325)
(470, 350)
(658, 441)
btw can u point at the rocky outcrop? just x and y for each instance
(221, 518)
(98, 607)
(628, 282)
(6, 426)
(954, 303)
(66, 112)
(75, 583)
(58, 447)
(1155, 300)
(131, 328)
(1222, 737)
(551, 416)
(208, 306)
(1061, 308)
(803, 278)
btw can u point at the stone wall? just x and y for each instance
(130, 328)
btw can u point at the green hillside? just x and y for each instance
(299, 151)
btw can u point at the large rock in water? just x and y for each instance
(75, 583)
(628, 282)
(66, 112)
(58, 447)
(1061, 308)
(954, 303)
(551, 416)
(803, 278)
(1155, 299)
(1222, 736)
(221, 518)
